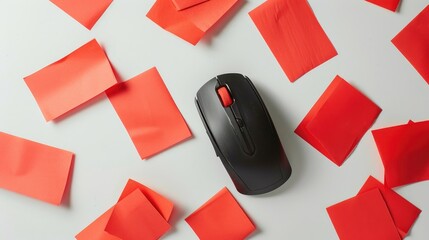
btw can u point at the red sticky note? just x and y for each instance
(365, 216)
(162, 204)
(338, 120)
(391, 5)
(403, 213)
(404, 151)
(135, 218)
(140, 213)
(33, 169)
(85, 13)
(220, 218)
(149, 113)
(412, 42)
(191, 23)
(71, 81)
(183, 4)
(294, 35)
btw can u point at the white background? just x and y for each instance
(36, 33)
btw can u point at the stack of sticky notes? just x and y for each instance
(139, 214)
(375, 213)
(189, 19)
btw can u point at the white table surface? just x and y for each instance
(36, 33)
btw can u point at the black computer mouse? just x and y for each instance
(243, 134)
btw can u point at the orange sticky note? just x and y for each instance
(294, 35)
(71, 81)
(365, 216)
(82, 11)
(338, 120)
(140, 213)
(403, 213)
(413, 40)
(391, 5)
(33, 169)
(183, 4)
(404, 151)
(149, 113)
(220, 218)
(191, 23)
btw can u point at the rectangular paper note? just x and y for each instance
(140, 214)
(404, 151)
(412, 42)
(33, 169)
(294, 35)
(338, 120)
(149, 113)
(71, 81)
(191, 23)
(221, 217)
(82, 11)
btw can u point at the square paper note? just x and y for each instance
(149, 113)
(220, 218)
(404, 151)
(338, 120)
(85, 12)
(413, 41)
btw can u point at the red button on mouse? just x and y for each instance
(225, 97)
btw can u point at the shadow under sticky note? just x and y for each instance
(191, 23)
(86, 13)
(294, 35)
(71, 81)
(404, 151)
(139, 214)
(221, 217)
(33, 169)
(413, 40)
(338, 120)
(149, 113)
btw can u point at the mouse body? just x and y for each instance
(243, 134)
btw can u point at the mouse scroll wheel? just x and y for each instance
(224, 96)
